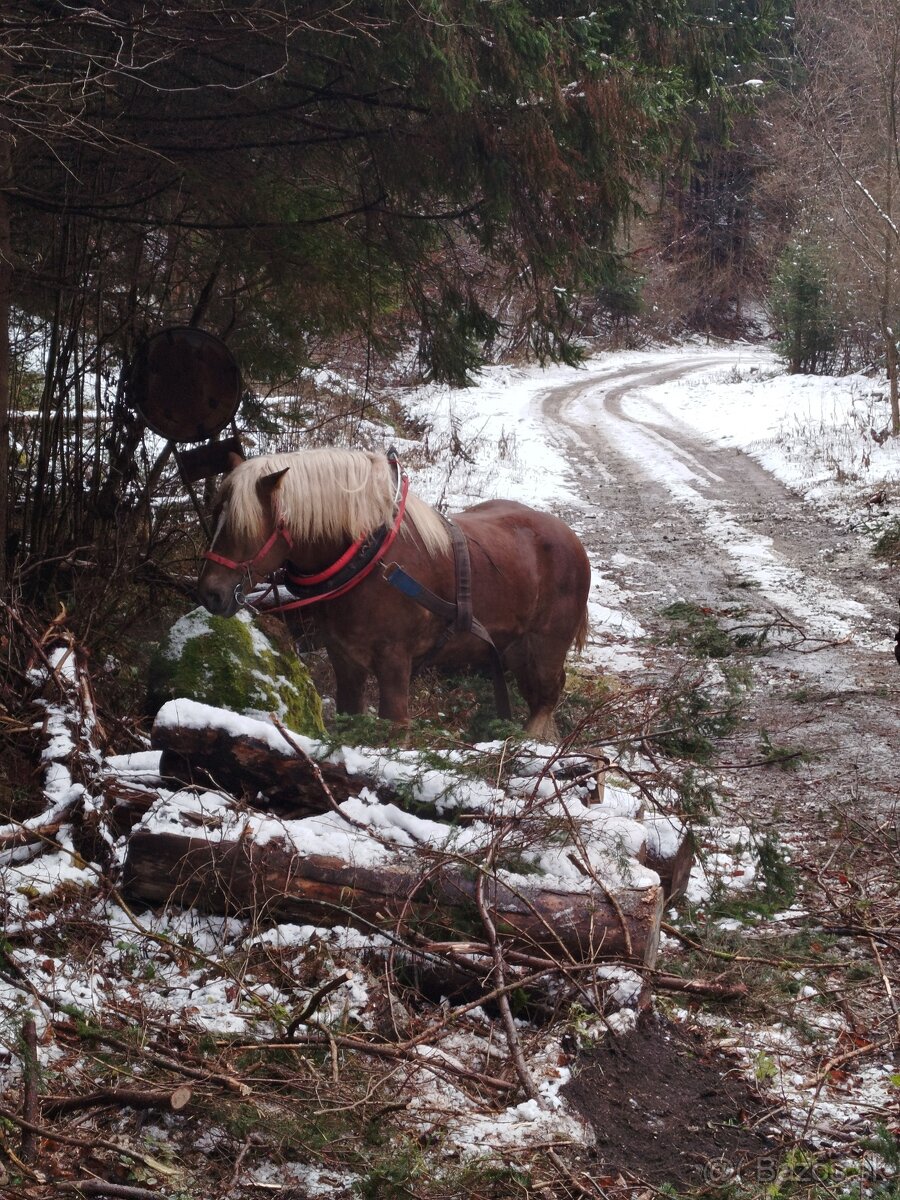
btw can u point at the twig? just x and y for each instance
(30, 1111)
(509, 1025)
(838, 1061)
(889, 991)
(239, 1161)
(585, 869)
(320, 778)
(315, 1000)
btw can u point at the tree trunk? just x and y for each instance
(6, 272)
(276, 881)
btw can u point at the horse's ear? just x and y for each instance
(233, 460)
(268, 485)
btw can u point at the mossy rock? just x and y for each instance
(229, 662)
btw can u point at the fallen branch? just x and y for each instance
(175, 1100)
(99, 1187)
(509, 1024)
(701, 987)
(69, 1139)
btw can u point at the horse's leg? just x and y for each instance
(350, 682)
(537, 663)
(393, 670)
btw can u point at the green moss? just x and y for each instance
(229, 662)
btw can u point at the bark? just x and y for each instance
(6, 272)
(278, 882)
(246, 765)
(673, 869)
(30, 1109)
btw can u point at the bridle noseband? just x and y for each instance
(249, 565)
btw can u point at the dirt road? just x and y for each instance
(677, 517)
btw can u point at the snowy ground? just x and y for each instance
(707, 474)
(700, 474)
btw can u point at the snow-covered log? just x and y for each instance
(297, 776)
(351, 842)
(375, 866)
(212, 747)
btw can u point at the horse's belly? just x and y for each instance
(461, 652)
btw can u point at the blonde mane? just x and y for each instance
(327, 494)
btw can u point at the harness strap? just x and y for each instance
(464, 617)
(336, 567)
(350, 569)
(459, 616)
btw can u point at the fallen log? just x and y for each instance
(373, 864)
(279, 770)
(249, 758)
(274, 879)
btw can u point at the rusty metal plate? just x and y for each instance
(185, 384)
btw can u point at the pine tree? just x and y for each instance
(802, 315)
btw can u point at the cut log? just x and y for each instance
(251, 760)
(276, 881)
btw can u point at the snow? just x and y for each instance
(191, 714)
(364, 832)
(815, 435)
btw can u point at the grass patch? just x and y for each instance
(887, 547)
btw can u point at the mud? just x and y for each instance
(667, 1111)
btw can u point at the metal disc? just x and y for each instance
(185, 384)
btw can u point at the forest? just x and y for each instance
(252, 944)
(389, 187)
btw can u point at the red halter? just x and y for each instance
(249, 564)
(280, 530)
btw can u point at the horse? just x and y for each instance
(317, 512)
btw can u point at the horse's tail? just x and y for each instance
(581, 633)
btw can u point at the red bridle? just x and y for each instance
(280, 530)
(250, 564)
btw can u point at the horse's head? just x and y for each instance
(250, 540)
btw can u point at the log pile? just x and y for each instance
(74, 810)
(286, 836)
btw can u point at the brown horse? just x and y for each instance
(529, 574)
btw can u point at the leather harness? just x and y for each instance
(359, 560)
(458, 615)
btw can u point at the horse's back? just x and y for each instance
(529, 568)
(507, 523)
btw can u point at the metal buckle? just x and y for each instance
(241, 598)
